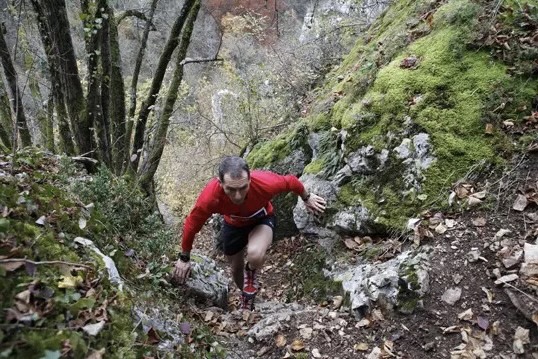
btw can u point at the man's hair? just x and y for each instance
(233, 166)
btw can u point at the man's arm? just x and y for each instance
(289, 183)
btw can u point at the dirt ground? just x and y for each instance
(483, 323)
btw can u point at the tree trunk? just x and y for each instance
(6, 122)
(59, 31)
(136, 73)
(160, 71)
(116, 99)
(16, 98)
(48, 127)
(151, 163)
(96, 78)
(66, 138)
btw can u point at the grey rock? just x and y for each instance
(163, 321)
(531, 253)
(507, 278)
(303, 219)
(207, 283)
(352, 220)
(368, 283)
(113, 274)
(274, 317)
(451, 295)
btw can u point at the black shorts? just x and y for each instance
(232, 239)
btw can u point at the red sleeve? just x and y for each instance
(275, 183)
(202, 210)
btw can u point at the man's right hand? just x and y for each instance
(182, 271)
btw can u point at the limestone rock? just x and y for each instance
(207, 282)
(404, 277)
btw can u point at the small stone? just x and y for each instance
(429, 346)
(531, 253)
(497, 273)
(457, 278)
(473, 255)
(451, 295)
(333, 315)
(507, 278)
(315, 353)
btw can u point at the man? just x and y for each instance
(244, 198)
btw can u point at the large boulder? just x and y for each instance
(207, 283)
(398, 283)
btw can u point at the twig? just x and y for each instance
(200, 60)
(15, 260)
(522, 292)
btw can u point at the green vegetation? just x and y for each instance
(422, 67)
(310, 283)
(58, 291)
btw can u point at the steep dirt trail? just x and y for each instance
(481, 323)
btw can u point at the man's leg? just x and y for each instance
(237, 264)
(259, 240)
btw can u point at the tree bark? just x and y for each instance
(6, 122)
(66, 138)
(116, 99)
(151, 163)
(48, 126)
(59, 30)
(16, 98)
(160, 71)
(136, 73)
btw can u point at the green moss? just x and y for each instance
(268, 152)
(314, 167)
(307, 273)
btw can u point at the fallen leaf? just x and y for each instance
(98, 354)
(482, 322)
(489, 129)
(467, 315)
(479, 222)
(361, 347)
(297, 345)
(153, 336)
(473, 201)
(520, 203)
(280, 341)
(94, 329)
(208, 316)
(441, 228)
(11, 266)
(489, 294)
(350, 243)
(69, 281)
(41, 220)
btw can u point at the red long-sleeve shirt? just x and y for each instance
(264, 185)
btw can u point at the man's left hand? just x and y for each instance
(316, 204)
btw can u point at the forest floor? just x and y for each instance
(487, 320)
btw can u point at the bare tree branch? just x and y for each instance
(138, 14)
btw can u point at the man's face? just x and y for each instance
(236, 188)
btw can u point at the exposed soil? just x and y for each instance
(462, 257)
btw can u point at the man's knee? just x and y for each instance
(256, 256)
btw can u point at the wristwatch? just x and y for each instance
(185, 257)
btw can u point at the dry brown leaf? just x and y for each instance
(350, 243)
(280, 341)
(11, 266)
(479, 222)
(208, 316)
(489, 129)
(98, 354)
(361, 347)
(297, 345)
(473, 201)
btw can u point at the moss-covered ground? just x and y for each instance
(430, 67)
(57, 300)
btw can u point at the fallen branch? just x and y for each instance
(16, 260)
(200, 60)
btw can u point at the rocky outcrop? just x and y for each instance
(396, 284)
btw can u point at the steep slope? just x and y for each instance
(424, 99)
